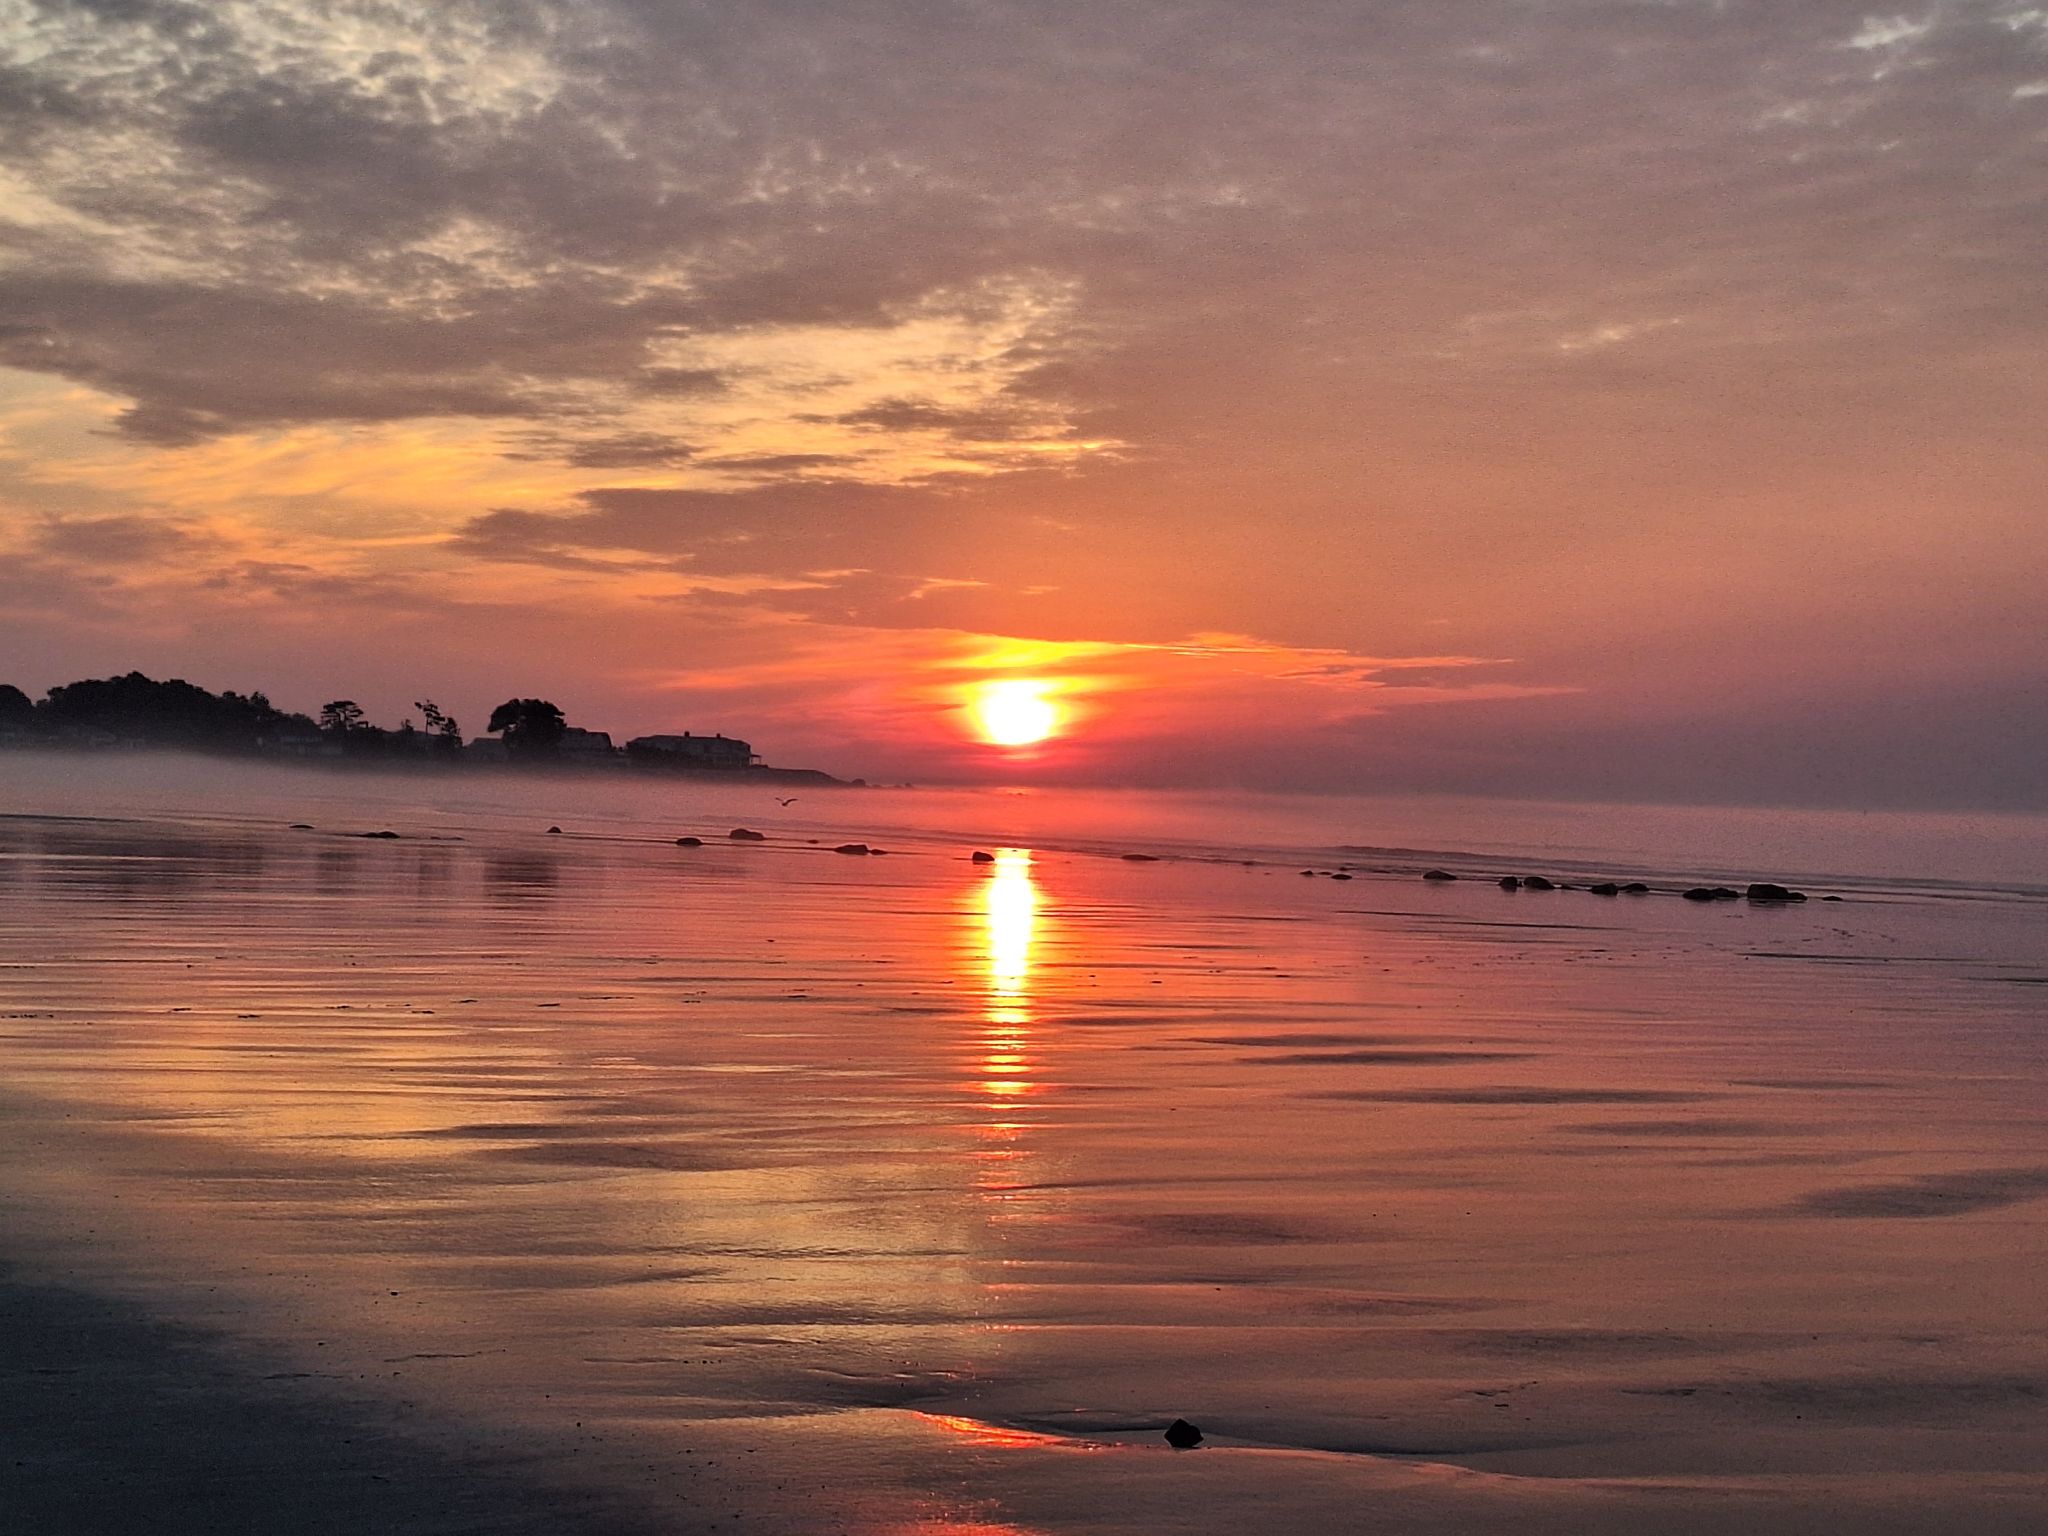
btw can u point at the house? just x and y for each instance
(687, 751)
(584, 746)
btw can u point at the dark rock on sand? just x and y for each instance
(1831, 898)
(855, 848)
(1536, 883)
(1635, 888)
(1605, 888)
(1340, 875)
(979, 857)
(302, 826)
(554, 831)
(689, 842)
(1182, 1435)
(1764, 890)
(744, 835)
(1142, 858)
(1510, 882)
(1711, 893)
(1438, 874)
(1310, 873)
(386, 836)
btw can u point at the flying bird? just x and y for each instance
(790, 801)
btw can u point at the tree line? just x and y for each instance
(141, 711)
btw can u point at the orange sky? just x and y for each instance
(1526, 398)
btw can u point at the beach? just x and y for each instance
(487, 1178)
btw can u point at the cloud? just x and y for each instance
(1583, 335)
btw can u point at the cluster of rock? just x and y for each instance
(1762, 891)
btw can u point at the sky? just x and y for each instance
(1594, 399)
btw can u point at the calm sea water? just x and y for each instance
(759, 1184)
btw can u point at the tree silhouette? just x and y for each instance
(447, 734)
(16, 707)
(529, 725)
(341, 716)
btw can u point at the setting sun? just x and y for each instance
(1016, 712)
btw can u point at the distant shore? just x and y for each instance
(436, 766)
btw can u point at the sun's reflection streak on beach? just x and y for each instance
(1005, 1066)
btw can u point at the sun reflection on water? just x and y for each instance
(1004, 1066)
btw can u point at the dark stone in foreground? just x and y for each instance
(1510, 882)
(689, 842)
(302, 826)
(554, 831)
(1182, 1435)
(1605, 888)
(1340, 875)
(1438, 874)
(1711, 893)
(1536, 883)
(1635, 888)
(979, 857)
(1764, 890)
(744, 835)
(1142, 858)
(382, 836)
(1831, 898)
(855, 848)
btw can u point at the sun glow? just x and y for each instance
(1015, 712)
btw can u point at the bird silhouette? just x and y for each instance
(790, 801)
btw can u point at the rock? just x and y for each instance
(1182, 1435)
(554, 831)
(387, 836)
(1635, 888)
(1536, 883)
(1711, 893)
(1340, 875)
(855, 848)
(302, 826)
(1605, 888)
(1510, 883)
(1764, 890)
(743, 835)
(1310, 873)
(878, 852)
(1831, 898)
(979, 857)
(1141, 858)
(689, 842)
(1438, 874)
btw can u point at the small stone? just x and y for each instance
(1141, 858)
(554, 831)
(302, 826)
(386, 836)
(1182, 1435)
(1605, 888)
(1711, 893)
(1438, 874)
(1536, 883)
(745, 835)
(855, 848)
(979, 857)
(1635, 888)
(689, 842)
(1340, 875)
(1510, 882)
(1831, 898)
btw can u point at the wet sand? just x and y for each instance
(589, 1183)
